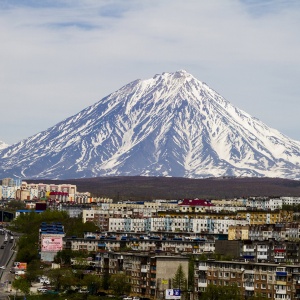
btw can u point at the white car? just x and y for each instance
(42, 290)
(3, 267)
(46, 281)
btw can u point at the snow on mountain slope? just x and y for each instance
(3, 145)
(169, 125)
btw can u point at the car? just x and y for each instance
(2, 246)
(83, 291)
(42, 290)
(136, 298)
(127, 298)
(2, 268)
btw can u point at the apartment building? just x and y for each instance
(260, 251)
(151, 274)
(147, 219)
(95, 242)
(262, 217)
(278, 232)
(272, 281)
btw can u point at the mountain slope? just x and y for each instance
(169, 125)
(3, 145)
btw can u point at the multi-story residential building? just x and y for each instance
(8, 192)
(260, 251)
(94, 242)
(169, 224)
(290, 200)
(278, 232)
(272, 281)
(151, 274)
(60, 192)
(266, 217)
(238, 232)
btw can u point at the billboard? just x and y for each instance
(52, 243)
(20, 265)
(173, 294)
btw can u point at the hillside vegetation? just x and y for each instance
(149, 188)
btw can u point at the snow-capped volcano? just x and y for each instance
(169, 125)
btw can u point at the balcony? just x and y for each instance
(280, 273)
(247, 249)
(280, 291)
(248, 256)
(202, 283)
(279, 256)
(249, 287)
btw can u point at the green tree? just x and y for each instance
(217, 292)
(93, 283)
(120, 284)
(64, 257)
(179, 280)
(191, 273)
(22, 285)
(15, 205)
(60, 278)
(258, 296)
(105, 277)
(33, 270)
(29, 225)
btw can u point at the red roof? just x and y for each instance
(59, 193)
(196, 202)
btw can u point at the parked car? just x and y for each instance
(2, 267)
(42, 290)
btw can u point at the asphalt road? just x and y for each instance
(6, 259)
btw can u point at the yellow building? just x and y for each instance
(266, 217)
(238, 233)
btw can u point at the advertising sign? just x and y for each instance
(173, 294)
(20, 265)
(52, 243)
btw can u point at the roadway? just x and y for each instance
(6, 260)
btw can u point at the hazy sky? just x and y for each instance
(59, 56)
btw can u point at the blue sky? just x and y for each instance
(58, 57)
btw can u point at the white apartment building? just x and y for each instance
(167, 224)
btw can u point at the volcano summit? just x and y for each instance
(169, 125)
